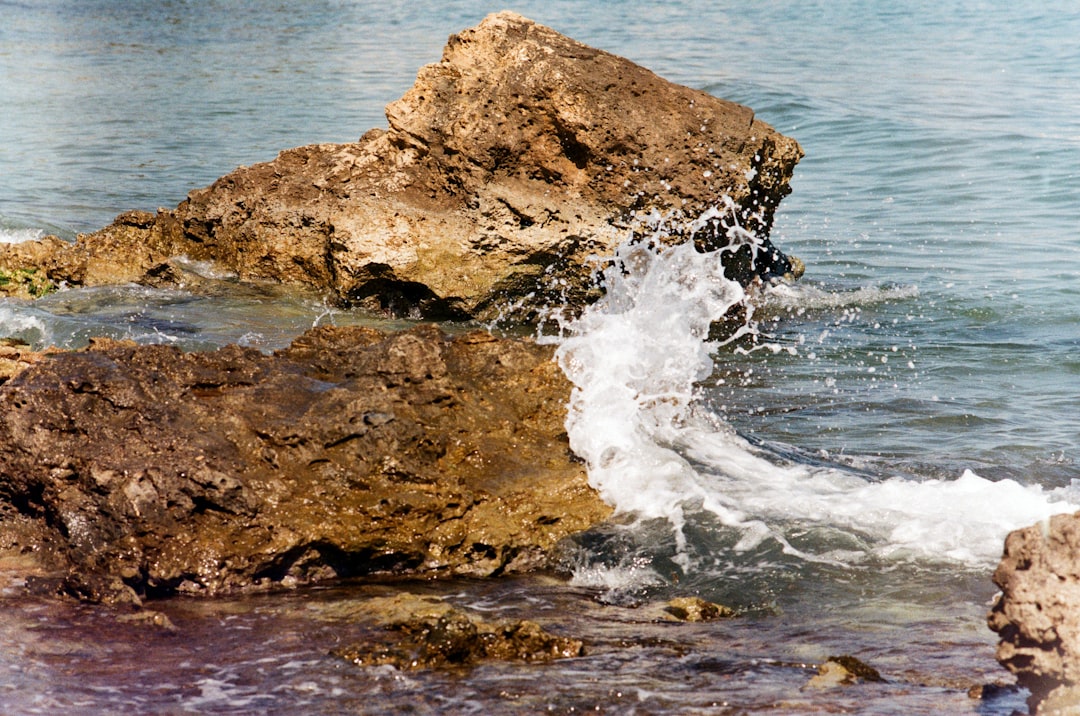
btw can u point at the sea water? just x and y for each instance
(845, 476)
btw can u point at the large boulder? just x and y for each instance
(507, 168)
(1037, 615)
(141, 471)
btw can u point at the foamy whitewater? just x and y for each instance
(636, 359)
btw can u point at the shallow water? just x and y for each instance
(271, 654)
(847, 483)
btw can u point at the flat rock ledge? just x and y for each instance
(505, 171)
(1037, 616)
(132, 472)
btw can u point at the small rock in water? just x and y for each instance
(696, 609)
(991, 691)
(438, 636)
(843, 671)
(149, 617)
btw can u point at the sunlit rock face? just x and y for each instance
(508, 168)
(1036, 614)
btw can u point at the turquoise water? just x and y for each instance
(923, 376)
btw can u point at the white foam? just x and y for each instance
(18, 236)
(634, 359)
(806, 296)
(618, 577)
(16, 322)
(962, 520)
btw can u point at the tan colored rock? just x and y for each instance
(1062, 701)
(511, 162)
(696, 609)
(1036, 615)
(142, 471)
(842, 671)
(15, 357)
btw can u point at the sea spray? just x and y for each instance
(634, 358)
(14, 235)
(637, 359)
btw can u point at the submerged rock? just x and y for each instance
(843, 671)
(141, 471)
(1036, 614)
(507, 167)
(432, 634)
(696, 609)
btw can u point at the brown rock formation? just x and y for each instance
(506, 166)
(137, 471)
(1037, 615)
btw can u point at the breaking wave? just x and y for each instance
(654, 452)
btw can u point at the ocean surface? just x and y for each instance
(846, 481)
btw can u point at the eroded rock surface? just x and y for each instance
(137, 471)
(1037, 616)
(511, 162)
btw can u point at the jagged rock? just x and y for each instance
(1036, 615)
(139, 471)
(432, 634)
(511, 162)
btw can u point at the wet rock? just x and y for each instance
(843, 671)
(696, 609)
(432, 634)
(989, 692)
(149, 618)
(505, 170)
(1035, 616)
(147, 471)
(15, 357)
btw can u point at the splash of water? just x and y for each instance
(16, 322)
(15, 235)
(653, 451)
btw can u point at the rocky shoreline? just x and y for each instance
(509, 169)
(509, 172)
